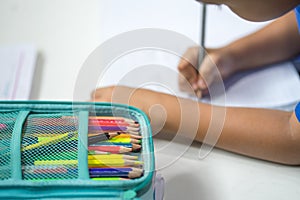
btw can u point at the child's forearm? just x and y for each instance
(276, 42)
(259, 133)
(266, 134)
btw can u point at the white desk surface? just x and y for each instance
(222, 175)
(65, 33)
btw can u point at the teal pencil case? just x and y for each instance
(76, 150)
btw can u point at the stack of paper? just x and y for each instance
(17, 65)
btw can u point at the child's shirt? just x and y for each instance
(297, 112)
(297, 12)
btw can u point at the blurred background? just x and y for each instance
(57, 36)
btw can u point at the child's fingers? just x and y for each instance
(187, 69)
(188, 72)
(208, 73)
(102, 94)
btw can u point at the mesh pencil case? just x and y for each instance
(75, 150)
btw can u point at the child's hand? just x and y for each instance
(140, 98)
(147, 100)
(215, 66)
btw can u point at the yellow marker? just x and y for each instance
(96, 163)
(40, 139)
(55, 162)
(51, 140)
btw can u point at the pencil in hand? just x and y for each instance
(201, 51)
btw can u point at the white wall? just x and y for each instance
(121, 16)
(182, 16)
(64, 32)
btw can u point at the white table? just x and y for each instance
(222, 175)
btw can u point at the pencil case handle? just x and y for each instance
(83, 172)
(15, 145)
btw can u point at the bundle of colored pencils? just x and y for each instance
(111, 140)
(113, 146)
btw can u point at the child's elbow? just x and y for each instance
(291, 156)
(292, 147)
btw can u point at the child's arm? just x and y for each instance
(265, 134)
(278, 41)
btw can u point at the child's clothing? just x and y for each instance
(297, 112)
(297, 12)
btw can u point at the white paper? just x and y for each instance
(277, 86)
(17, 65)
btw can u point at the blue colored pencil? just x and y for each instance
(113, 172)
(128, 145)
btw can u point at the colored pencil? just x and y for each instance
(112, 156)
(113, 128)
(97, 123)
(104, 131)
(124, 140)
(110, 144)
(99, 153)
(124, 119)
(119, 134)
(52, 128)
(109, 179)
(98, 163)
(100, 137)
(111, 149)
(117, 169)
(131, 174)
(68, 122)
(50, 141)
(112, 118)
(40, 139)
(114, 163)
(100, 140)
(49, 170)
(94, 179)
(60, 155)
(126, 135)
(55, 162)
(51, 122)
